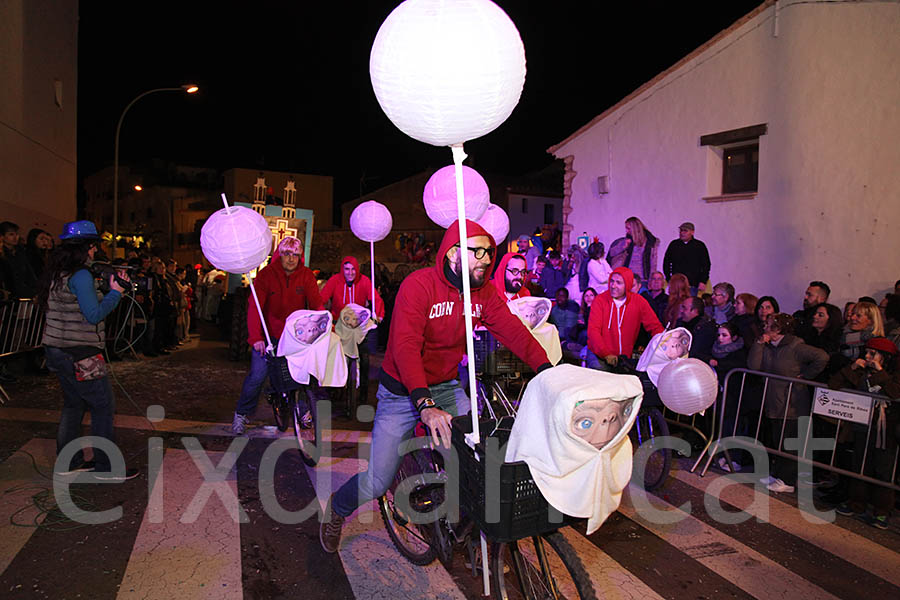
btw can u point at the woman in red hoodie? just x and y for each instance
(616, 318)
(418, 378)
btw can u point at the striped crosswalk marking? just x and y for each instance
(191, 553)
(18, 482)
(853, 548)
(746, 568)
(631, 557)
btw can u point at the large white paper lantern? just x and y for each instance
(447, 72)
(371, 221)
(236, 239)
(440, 195)
(688, 386)
(496, 222)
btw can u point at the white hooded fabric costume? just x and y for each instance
(534, 312)
(352, 335)
(311, 348)
(663, 348)
(575, 477)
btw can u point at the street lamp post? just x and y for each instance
(187, 88)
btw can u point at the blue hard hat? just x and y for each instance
(79, 230)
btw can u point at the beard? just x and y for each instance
(474, 280)
(513, 286)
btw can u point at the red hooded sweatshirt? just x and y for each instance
(499, 279)
(613, 329)
(428, 333)
(359, 292)
(280, 295)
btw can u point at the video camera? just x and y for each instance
(102, 270)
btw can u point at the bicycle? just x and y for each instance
(350, 391)
(295, 402)
(528, 557)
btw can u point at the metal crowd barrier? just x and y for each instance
(21, 326)
(839, 408)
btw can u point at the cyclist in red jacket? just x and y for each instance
(418, 380)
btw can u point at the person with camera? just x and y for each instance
(74, 339)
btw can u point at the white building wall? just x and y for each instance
(828, 205)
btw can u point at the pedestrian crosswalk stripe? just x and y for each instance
(849, 546)
(195, 559)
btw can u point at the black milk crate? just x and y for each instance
(280, 375)
(523, 510)
(493, 358)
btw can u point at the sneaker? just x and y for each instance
(239, 424)
(781, 487)
(844, 509)
(879, 522)
(330, 530)
(723, 464)
(109, 476)
(85, 467)
(768, 480)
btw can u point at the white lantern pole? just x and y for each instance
(252, 289)
(459, 156)
(372, 264)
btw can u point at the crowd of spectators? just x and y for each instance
(854, 347)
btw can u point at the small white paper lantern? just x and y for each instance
(496, 222)
(371, 221)
(236, 239)
(440, 195)
(688, 386)
(447, 72)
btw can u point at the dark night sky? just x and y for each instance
(285, 85)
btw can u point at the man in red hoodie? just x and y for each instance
(282, 286)
(616, 318)
(418, 378)
(509, 278)
(352, 287)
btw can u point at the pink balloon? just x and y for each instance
(688, 386)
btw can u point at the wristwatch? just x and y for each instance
(425, 403)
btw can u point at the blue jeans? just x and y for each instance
(94, 396)
(395, 419)
(252, 384)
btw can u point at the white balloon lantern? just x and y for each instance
(447, 72)
(496, 222)
(236, 239)
(371, 221)
(440, 195)
(688, 386)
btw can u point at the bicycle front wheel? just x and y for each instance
(412, 540)
(306, 425)
(539, 568)
(649, 427)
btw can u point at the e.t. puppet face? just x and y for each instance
(675, 344)
(598, 421)
(533, 312)
(308, 328)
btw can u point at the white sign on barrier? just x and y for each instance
(845, 406)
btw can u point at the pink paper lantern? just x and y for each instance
(371, 221)
(688, 386)
(440, 195)
(496, 222)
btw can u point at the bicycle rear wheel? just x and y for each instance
(648, 428)
(306, 429)
(538, 568)
(413, 541)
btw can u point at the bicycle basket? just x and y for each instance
(280, 375)
(518, 508)
(492, 358)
